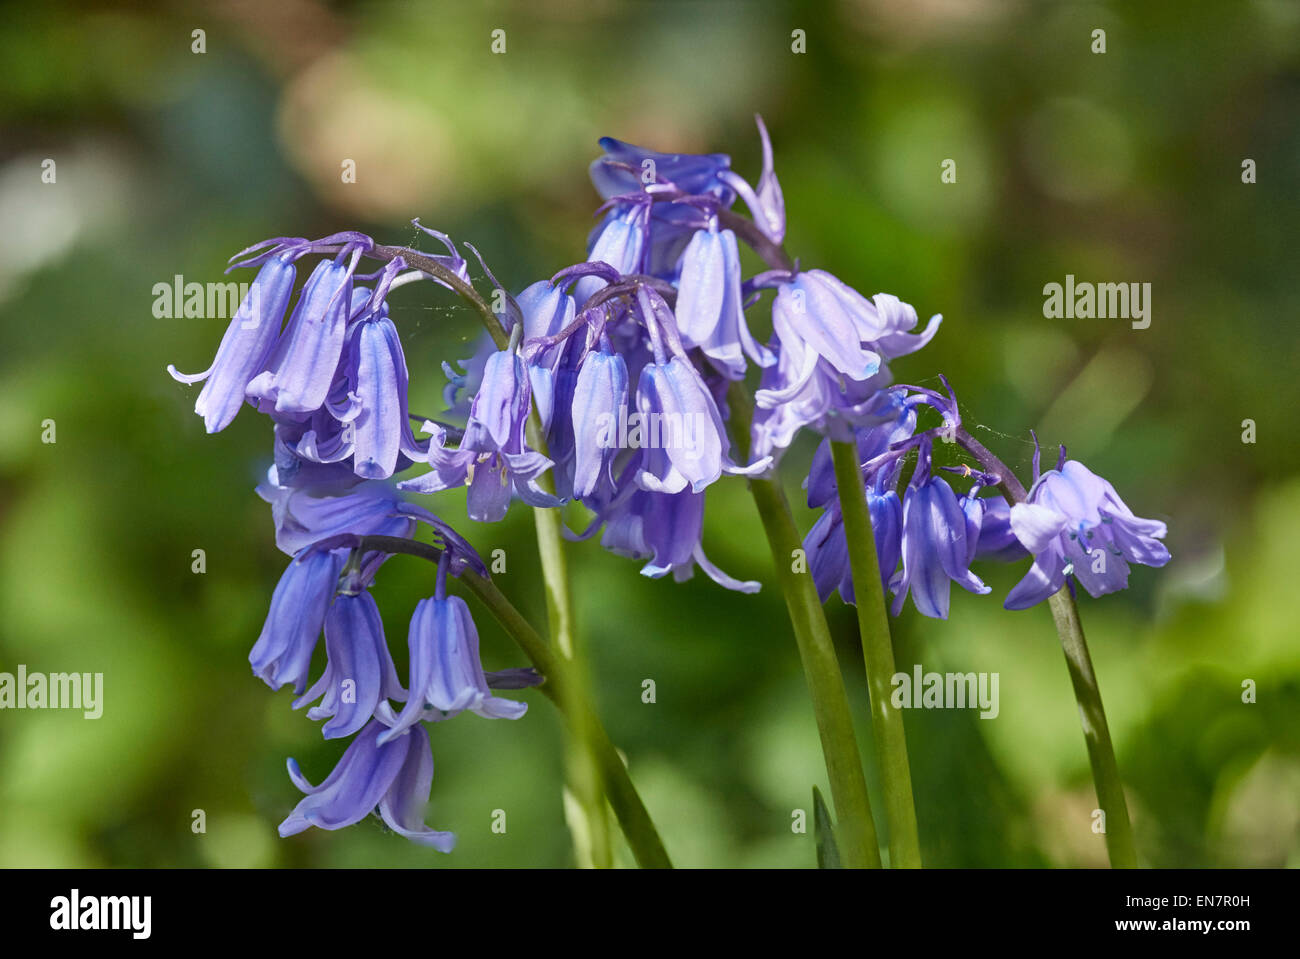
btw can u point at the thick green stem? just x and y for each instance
(878, 655)
(856, 830)
(1096, 733)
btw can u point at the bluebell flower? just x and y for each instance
(310, 529)
(805, 389)
(681, 185)
(359, 673)
(815, 316)
(622, 168)
(666, 529)
(246, 345)
(766, 204)
(997, 540)
(826, 545)
(283, 651)
(373, 373)
(492, 458)
(446, 675)
(939, 543)
(303, 519)
(692, 437)
(620, 240)
(688, 444)
(560, 436)
(301, 368)
(710, 310)
(392, 779)
(547, 310)
(599, 397)
(1074, 523)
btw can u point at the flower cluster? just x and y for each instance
(612, 383)
(1072, 522)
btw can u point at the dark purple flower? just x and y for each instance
(392, 779)
(665, 529)
(939, 543)
(826, 545)
(1075, 523)
(626, 168)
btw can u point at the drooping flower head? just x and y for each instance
(247, 344)
(359, 672)
(1074, 523)
(446, 675)
(391, 778)
(302, 365)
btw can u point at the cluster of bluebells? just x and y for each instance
(1072, 522)
(611, 391)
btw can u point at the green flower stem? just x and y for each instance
(585, 807)
(638, 827)
(856, 830)
(878, 655)
(1096, 732)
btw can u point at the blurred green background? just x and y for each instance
(1122, 166)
